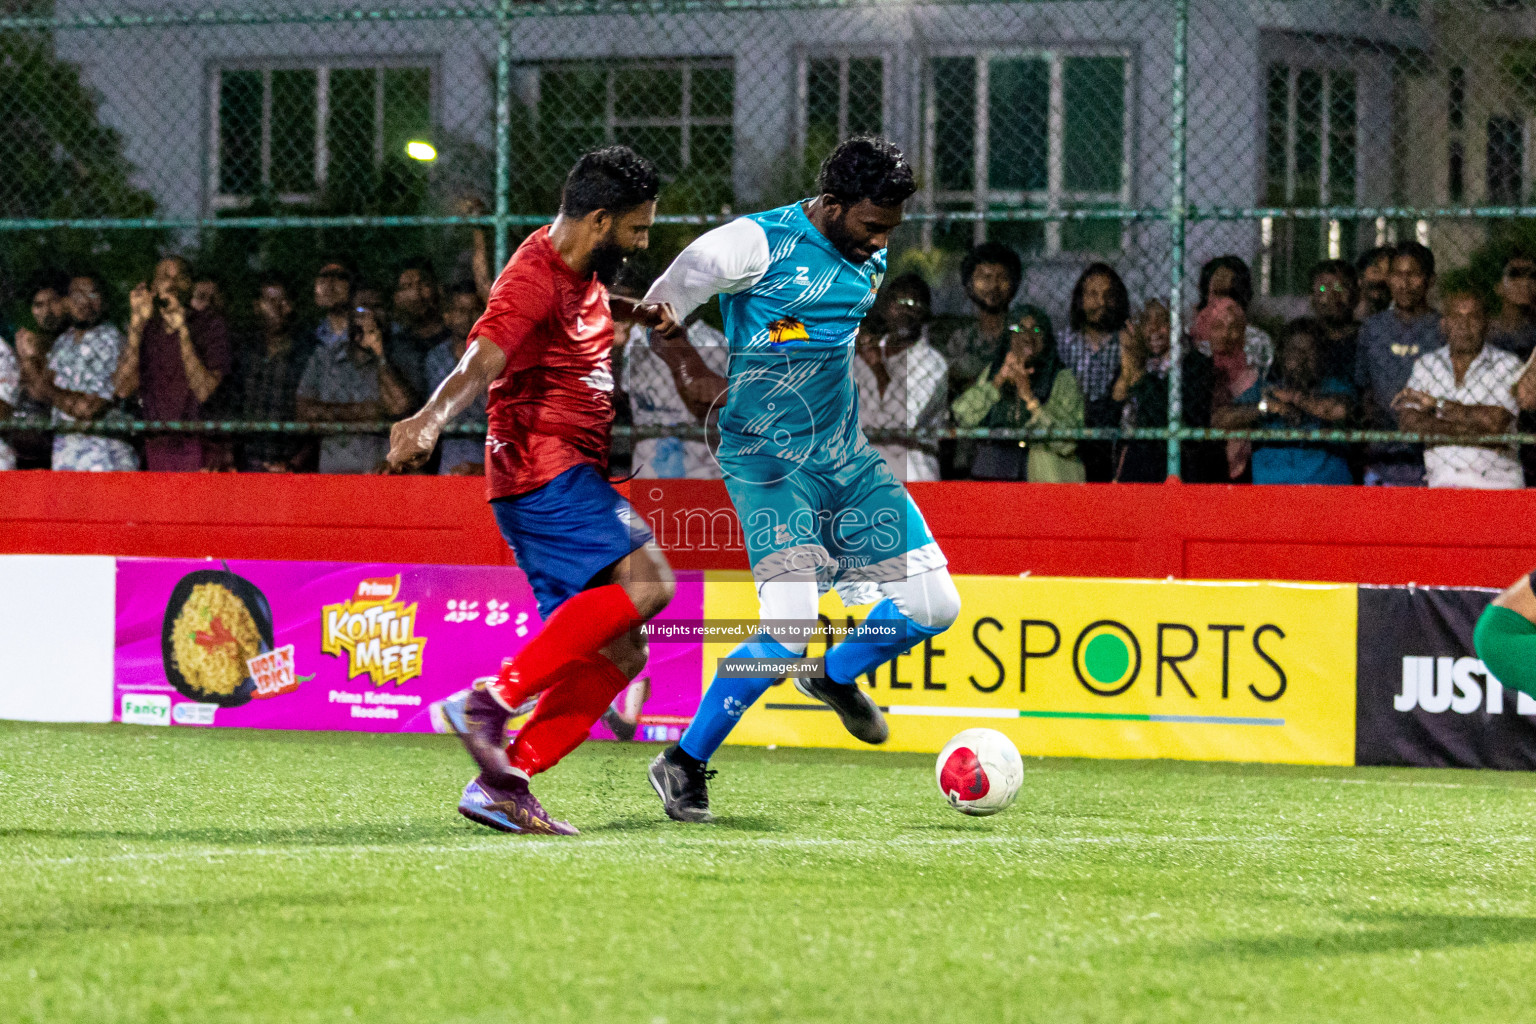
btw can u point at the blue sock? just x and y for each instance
(872, 644)
(728, 698)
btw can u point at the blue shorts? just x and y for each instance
(851, 525)
(567, 532)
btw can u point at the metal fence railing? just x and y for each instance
(1151, 135)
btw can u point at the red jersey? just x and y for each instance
(552, 406)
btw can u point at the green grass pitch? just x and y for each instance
(210, 876)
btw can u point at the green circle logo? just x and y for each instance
(1106, 658)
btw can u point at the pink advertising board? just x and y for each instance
(337, 645)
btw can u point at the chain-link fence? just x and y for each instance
(1150, 137)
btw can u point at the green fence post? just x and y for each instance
(1177, 219)
(503, 128)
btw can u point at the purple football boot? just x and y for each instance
(512, 808)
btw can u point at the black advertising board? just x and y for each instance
(1423, 698)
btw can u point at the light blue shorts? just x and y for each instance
(852, 525)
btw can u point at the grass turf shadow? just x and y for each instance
(1381, 933)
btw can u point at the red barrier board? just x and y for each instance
(1344, 534)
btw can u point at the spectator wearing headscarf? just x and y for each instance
(1026, 385)
(1220, 330)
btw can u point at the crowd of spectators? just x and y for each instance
(1372, 352)
(360, 359)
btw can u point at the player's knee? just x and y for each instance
(933, 603)
(794, 642)
(652, 585)
(629, 654)
(651, 598)
(787, 609)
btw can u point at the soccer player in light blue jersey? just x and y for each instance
(818, 506)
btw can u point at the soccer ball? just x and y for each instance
(980, 771)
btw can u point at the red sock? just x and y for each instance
(578, 629)
(565, 715)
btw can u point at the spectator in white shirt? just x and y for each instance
(656, 400)
(1467, 388)
(902, 378)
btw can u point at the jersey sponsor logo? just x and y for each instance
(803, 276)
(600, 379)
(782, 331)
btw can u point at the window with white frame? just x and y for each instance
(840, 95)
(1044, 130)
(289, 130)
(1311, 144)
(677, 113)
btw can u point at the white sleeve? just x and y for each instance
(729, 259)
(1422, 378)
(927, 401)
(1509, 371)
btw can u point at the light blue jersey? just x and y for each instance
(792, 340)
(812, 494)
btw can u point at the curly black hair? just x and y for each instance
(997, 254)
(866, 167)
(613, 178)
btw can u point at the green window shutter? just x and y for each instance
(1277, 114)
(1309, 137)
(1018, 117)
(293, 130)
(713, 92)
(1093, 143)
(572, 102)
(645, 92)
(240, 132)
(954, 99)
(821, 105)
(1341, 138)
(866, 96)
(349, 133)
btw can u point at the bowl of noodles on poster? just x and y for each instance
(215, 623)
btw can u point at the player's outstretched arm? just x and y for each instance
(698, 386)
(413, 438)
(726, 260)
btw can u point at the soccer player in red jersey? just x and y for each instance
(542, 353)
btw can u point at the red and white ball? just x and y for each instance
(980, 772)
